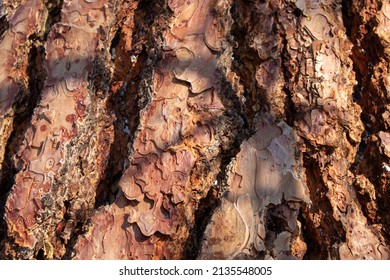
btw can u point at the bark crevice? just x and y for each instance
(188, 129)
(130, 67)
(370, 63)
(26, 101)
(54, 15)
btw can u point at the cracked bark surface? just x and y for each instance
(208, 129)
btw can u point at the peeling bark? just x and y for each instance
(19, 24)
(265, 189)
(208, 129)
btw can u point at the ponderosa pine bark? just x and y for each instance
(197, 129)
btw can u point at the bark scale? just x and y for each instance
(194, 129)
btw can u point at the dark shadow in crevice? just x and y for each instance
(126, 93)
(289, 107)
(54, 15)
(367, 52)
(124, 89)
(3, 25)
(25, 102)
(246, 60)
(319, 245)
(203, 215)
(24, 105)
(347, 16)
(240, 131)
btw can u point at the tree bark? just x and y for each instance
(200, 129)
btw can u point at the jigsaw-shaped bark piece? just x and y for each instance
(176, 128)
(32, 206)
(27, 19)
(265, 174)
(322, 92)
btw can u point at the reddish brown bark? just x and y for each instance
(194, 129)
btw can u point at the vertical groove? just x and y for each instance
(366, 25)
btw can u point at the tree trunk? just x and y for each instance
(200, 129)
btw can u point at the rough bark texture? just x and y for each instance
(209, 129)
